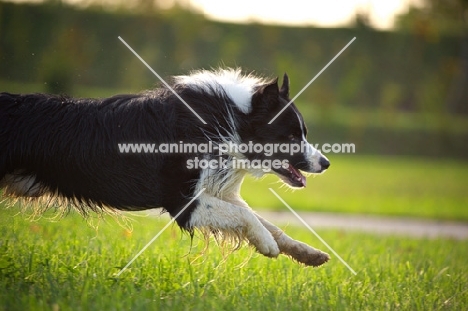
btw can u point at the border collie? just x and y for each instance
(66, 151)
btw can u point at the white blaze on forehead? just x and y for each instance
(238, 87)
(310, 151)
(301, 125)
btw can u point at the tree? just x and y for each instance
(435, 17)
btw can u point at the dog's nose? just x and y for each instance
(324, 163)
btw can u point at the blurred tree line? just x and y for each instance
(421, 68)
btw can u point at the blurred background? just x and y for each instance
(399, 92)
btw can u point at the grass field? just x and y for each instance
(394, 186)
(70, 265)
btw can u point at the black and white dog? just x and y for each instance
(66, 150)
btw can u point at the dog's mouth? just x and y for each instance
(292, 176)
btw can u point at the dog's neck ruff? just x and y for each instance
(239, 88)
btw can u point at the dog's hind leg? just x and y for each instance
(297, 250)
(217, 215)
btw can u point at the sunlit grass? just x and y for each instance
(69, 265)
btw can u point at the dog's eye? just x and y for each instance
(292, 137)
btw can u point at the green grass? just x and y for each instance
(69, 265)
(394, 186)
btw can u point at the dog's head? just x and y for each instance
(285, 147)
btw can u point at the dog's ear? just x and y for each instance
(266, 96)
(269, 90)
(284, 91)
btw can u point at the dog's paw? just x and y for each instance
(316, 259)
(264, 243)
(307, 255)
(268, 249)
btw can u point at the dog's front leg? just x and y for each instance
(217, 215)
(296, 249)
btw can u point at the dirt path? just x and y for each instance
(373, 224)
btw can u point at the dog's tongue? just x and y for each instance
(297, 176)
